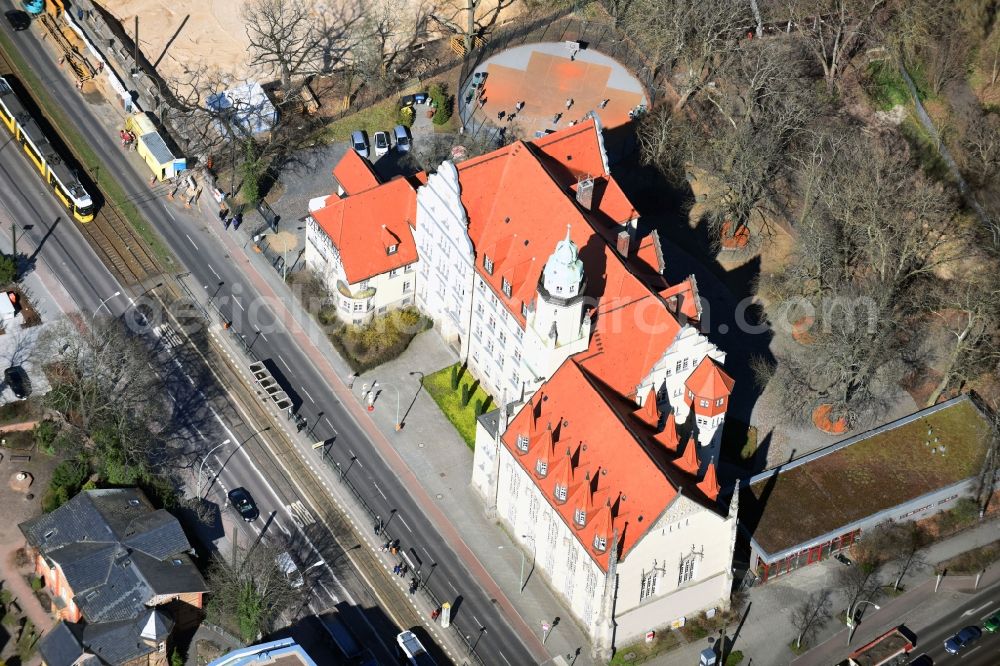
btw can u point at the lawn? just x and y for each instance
(450, 402)
(640, 652)
(378, 117)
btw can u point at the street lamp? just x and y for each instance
(105, 302)
(520, 589)
(852, 625)
(399, 426)
(202, 466)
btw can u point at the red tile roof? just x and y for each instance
(361, 226)
(607, 472)
(614, 466)
(709, 380)
(355, 174)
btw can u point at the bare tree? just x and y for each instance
(296, 38)
(382, 35)
(834, 30)
(904, 545)
(692, 39)
(470, 18)
(811, 614)
(969, 311)
(249, 591)
(981, 146)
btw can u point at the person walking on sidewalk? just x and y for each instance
(569, 102)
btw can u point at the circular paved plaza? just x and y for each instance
(542, 79)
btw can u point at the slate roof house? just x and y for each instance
(120, 576)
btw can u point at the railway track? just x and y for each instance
(114, 240)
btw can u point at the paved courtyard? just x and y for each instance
(544, 77)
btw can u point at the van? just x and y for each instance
(287, 566)
(402, 136)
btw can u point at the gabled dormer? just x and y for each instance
(602, 529)
(649, 413)
(668, 436)
(688, 462)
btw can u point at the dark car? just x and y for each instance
(17, 379)
(962, 640)
(244, 504)
(18, 20)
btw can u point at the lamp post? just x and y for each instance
(399, 426)
(852, 625)
(202, 466)
(520, 589)
(105, 302)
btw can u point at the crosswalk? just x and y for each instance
(168, 336)
(300, 515)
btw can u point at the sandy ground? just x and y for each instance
(212, 31)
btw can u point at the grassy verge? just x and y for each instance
(101, 175)
(21, 411)
(450, 401)
(379, 341)
(638, 653)
(972, 561)
(378, 117)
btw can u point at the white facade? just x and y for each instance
(682, 565)
(445, 270)
(358, 302)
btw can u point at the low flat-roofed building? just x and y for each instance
(283, 652)
(800, 512)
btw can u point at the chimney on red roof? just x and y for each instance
(585, 193)
(624, 242)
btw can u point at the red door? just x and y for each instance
(814, 554)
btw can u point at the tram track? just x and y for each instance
(111, 236)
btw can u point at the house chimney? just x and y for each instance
(585, 193)
(624, 242)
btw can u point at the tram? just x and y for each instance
(43, 156)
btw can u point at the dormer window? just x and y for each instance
(718, 403)
(522, 443)
(704, 403)
(391, 249)
(580, 517)
(600, 543)
(488, 264)
(506, 288)
(560, 492)
(524, 310)
(541, 467)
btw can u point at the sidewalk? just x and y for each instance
(767, 630)
(429, 456)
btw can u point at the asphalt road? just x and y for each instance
(205, 257)
(984, 652)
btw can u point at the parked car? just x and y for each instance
(17, 380)
(381, 143)
(992, 623)
(18, 20)
(922, 660)
(402, 136)
(962, 640)
(292, 573)
(359, 140)
(244, 504)
(843, 559)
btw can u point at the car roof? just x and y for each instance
(358, 135)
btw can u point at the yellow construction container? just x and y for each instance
(152, 148)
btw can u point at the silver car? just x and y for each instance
(403, 141)
(359, 141)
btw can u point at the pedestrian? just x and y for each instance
(377, 526)
(237, 221)
(519, 106)
(435, 613)
(510, 118)
(405, 568)
(222, 214)
(395, 570)
(569, 102)
(604, 103)
(385, 547)
(555, 118)
(501, 114)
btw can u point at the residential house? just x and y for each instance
(362, 245)
(120, 576)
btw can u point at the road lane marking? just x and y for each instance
(192, 242)
(477, 620)
(307, 394)
(976, 610)
(451, 586)
(402, 520)
(329, 422)
(263, 336)
(284, 362)
(380, 491)
(504, 658)
(213, 271)
(300, 514)
(356, 458)
(237, 301)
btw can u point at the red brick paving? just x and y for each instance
(544, 87)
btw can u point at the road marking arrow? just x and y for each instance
(976, 610)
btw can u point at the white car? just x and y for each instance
(382, 144)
